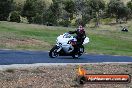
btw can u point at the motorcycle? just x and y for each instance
(65, 46)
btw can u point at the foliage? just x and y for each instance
(14, 16)
(28, 10)
(31, 7)
(38, 19)
(97, 8)
(5, 9)
(49, 17)
(65, 23)
(87, 15)
(129, 4)
(79, 21)
(17, 6)
(117, 8)
(106, 21)
(52, 14)
(97, 5)
(65, 11)
(24, 19)
(69, 6)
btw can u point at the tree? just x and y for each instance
(87, 13)
(5, 9)
(80, 5)
(14, 16)
(53, 13)
(17, 6)
(129, 5)
(124, 13)
(49, 17)
(32, 8)
(118, 9)
(69, 6)
(29, 10)
(97, 7)
(38, 19)
(83, 12)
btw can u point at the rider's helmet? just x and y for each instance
(81, 29)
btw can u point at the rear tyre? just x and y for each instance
(80, 52)
(53, 52)
(75, 56)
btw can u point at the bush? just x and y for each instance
(49, 17)
(24, 19)
(106, 20)
(38, 19)
(73, 22)
(65, 23)
(14, 16)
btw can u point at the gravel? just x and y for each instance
(59, 76)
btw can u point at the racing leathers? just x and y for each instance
(80, 36)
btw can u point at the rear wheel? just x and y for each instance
(80, 52)
(53, 52)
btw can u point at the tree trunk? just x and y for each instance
(117, 18)
(97, 20)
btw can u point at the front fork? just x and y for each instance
(58, 48)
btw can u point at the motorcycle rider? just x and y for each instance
(80, 36)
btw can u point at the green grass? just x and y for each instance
(104, 40)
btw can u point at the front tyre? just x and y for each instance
(53, 52)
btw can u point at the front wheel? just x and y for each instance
(53, 52)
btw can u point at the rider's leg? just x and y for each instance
(76, 48)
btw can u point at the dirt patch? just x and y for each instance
(60, 76)
(14, 42)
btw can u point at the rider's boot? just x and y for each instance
(76, 51)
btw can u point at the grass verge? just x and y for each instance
(103, 40)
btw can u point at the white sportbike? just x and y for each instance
(65, 46)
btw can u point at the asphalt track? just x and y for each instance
(8, 57)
